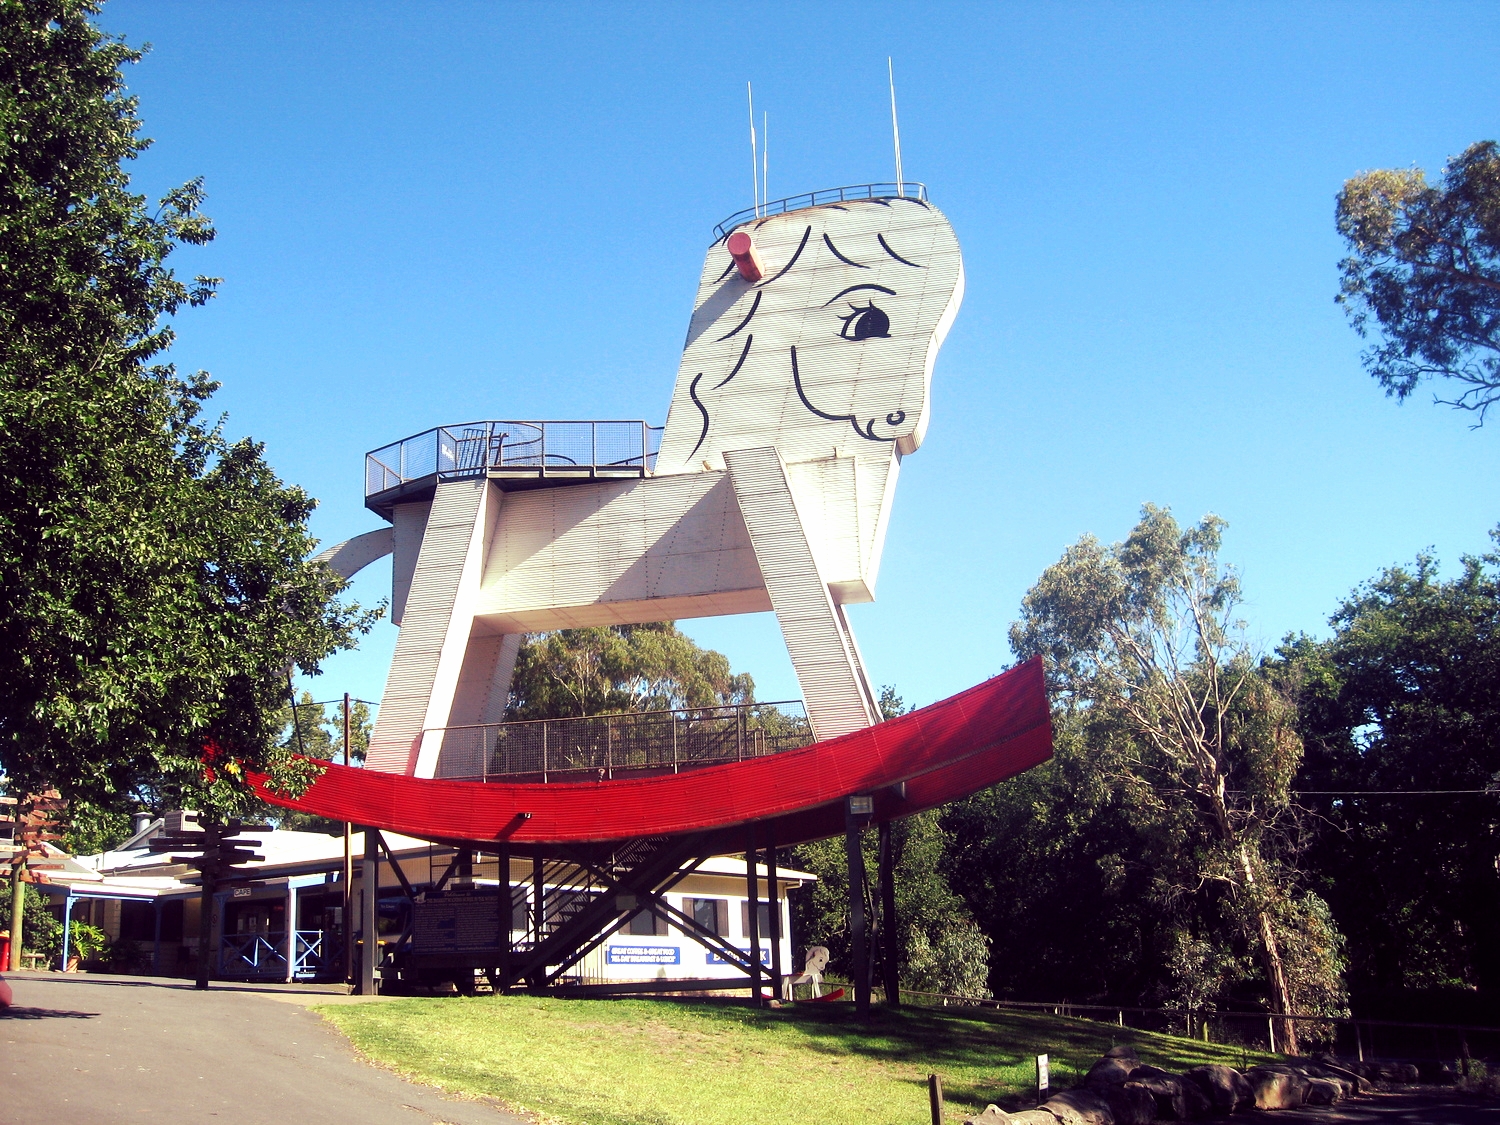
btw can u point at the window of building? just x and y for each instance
(710, 913)
(646, 924)
(762, 920)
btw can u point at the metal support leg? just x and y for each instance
(752, 916)
(369, 911)
(538, 914)
(773, 896)
(890, 933)
(859, 959)
(156, 940)
(503, 881)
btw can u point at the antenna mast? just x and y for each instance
(765, 160)
(754, 162)
(890, 71)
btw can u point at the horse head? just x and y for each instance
(830, 348)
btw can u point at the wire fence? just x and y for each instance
(1350, 1036)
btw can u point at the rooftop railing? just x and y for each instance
(541, 450)
(815, 198)
(605, 746)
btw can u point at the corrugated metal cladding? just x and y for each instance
(832, 687)
(434, 629)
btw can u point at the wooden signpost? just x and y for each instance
(220, 849)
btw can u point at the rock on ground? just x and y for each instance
(1223, 1086)
(1081, 1106)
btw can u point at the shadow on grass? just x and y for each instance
(972, 1038)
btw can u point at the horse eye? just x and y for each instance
(861, 324)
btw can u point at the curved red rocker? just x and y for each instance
(936, 754)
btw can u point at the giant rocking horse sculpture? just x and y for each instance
(804, 382)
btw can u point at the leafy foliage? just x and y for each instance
(40, 931)
(620, 668)
(1404, 696)
(1182, 736)
(156, 587)
(1425, 264)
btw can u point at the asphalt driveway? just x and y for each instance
(93, 1050)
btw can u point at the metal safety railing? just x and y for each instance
(815, 198)
(541, 449)
(606, 745)
(264, 954)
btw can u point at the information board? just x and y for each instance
(457, 922)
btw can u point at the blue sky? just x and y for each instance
(433, 213)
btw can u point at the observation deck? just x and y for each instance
(633, 744)
(517, 454)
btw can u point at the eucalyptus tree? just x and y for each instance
(1424, 266)
(1153, 677)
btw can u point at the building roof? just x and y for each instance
(132, 870)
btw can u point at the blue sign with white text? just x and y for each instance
(642, 955)
(715, 959)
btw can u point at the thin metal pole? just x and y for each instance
(752, 915)
(895, 129)
(890, 943)
(754, 164)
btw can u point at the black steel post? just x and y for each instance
(503, 881)
(369, 914)
(752, 916)
(538, 916)
(773, 896)
(889, 932)
(859, 964)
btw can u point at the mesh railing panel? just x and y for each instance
(603, 745)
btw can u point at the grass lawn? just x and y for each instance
(708, 1062)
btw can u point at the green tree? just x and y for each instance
(155, 587)
(1404, 697)
(1425, 265)
(1150, 669)
(42, 933)
(620, 668)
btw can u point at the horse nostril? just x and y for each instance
(746, 257)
